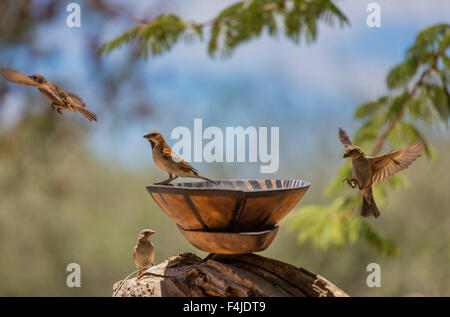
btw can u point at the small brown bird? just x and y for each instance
(368, 170)
(58, 98)
(144, 251)
(169, 161)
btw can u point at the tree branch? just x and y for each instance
(392, 123)
(244, 275)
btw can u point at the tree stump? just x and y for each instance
(245, 275)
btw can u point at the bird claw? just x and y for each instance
(56, 108)
(351, 182)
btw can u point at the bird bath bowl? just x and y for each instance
(219, 217)
(230, 242)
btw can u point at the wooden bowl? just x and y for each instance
(229, 205)
(230, 242)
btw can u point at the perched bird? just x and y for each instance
(58, 98)
(368, 170)
(144, 251)
(169, 161)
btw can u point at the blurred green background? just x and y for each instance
(71, 191)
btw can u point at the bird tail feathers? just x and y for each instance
(86, 113)
(369, 207)
(206, 179)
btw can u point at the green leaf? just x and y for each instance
(366, 135)
(438, 99)
(427, 42)
(126, 37)
(397, 105)
(398, 181)
(400, 75)
(404, 134)
(335, 225)
(370, 108)
(377, 241)
(156, 37)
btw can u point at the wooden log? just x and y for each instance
(245, 275)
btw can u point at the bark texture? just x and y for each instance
(244, 275)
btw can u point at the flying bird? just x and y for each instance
(369, 170)
(144, 251)
(169, 161)
(58, 98)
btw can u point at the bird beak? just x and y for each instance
(345, 155)
(146, 136)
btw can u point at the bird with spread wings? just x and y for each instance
(369, 170)
(58, 98)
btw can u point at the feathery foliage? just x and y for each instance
(419, 92)
(156, 37)
(235, 25)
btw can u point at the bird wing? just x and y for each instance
(50, 95)
(176, 159)
(77, 99)
(385, 166)
(343, 137)
(66, 97)
(15, 76)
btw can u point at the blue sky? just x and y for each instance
(307, 90)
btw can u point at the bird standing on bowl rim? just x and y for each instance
(144, 251)
(58, 98)
(169, 161)
(369, 170)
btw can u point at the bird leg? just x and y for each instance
(53, 106)
(68, 105)
(56, 107)
(352, 182)
(167, 181)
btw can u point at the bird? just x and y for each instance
(169, 161)
(58, 98)
(368, 170)
(144, 251)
